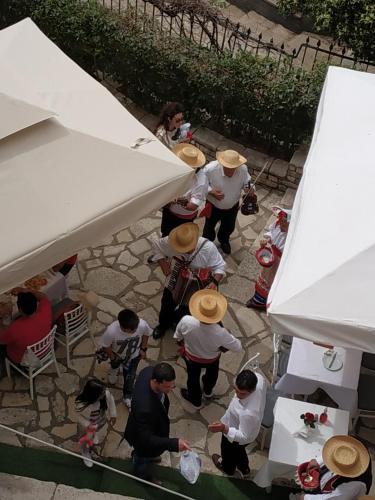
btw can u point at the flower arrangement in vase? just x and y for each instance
(309, 419)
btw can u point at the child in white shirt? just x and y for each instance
(125, 342)
(94, 406)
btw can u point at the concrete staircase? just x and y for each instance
(24, 488)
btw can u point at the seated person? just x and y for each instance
(33, 324)
(66, 265)
(344, 473)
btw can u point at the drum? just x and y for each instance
(265, 256)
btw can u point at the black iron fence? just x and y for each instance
(221, 34)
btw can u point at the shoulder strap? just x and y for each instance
(197, 251)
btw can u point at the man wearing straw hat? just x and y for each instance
(344, 473)
(185, 209)
(189, 262)
(203, 340)
(227, 177)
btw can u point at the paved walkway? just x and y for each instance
(117, 270)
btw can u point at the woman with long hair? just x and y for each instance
(168, 129)
(94, 406)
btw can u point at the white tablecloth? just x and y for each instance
(306, 373)
(287, 451)
(56, 288)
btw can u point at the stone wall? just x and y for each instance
(277, 173)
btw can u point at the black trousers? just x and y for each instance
(169, 221)
(233, 456)
(169, 315)
(227, 219)
(209, 379)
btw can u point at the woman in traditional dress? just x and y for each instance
(274, 238)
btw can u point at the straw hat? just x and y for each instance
(230, 158)
(345, 456)
(208, 306)
(184, 238)
(191, 155)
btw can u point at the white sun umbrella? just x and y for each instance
(324, 287)
(69, 176)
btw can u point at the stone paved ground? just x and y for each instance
(117, 270)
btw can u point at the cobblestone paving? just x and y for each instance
(117, 270)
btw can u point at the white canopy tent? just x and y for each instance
(324, 287)
(68, 174)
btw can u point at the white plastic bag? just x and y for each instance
(190, 466)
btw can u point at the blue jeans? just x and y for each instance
(129, 372)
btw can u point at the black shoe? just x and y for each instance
(251, 304)
(159, 332)
(245, 473)
(185, 395)
(226, 248)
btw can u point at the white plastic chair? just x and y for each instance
(281, 351)
(366, 404)
(40, 355)
(76, 326)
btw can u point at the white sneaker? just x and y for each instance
(112, 376)
(85, 455)
(208, 396)
(128, 402)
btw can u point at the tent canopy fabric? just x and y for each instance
(324, 287)
(69, 176)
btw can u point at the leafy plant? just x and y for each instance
(253, 98)
(351, 22)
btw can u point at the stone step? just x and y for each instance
(25, 488)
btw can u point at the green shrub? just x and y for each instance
(244, 97)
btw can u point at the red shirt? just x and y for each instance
(27, 330)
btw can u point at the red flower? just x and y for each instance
(309, 419)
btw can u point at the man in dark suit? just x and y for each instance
(147, 429)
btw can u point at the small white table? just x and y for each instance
(288, 451)
(306, 373)
(56, 288)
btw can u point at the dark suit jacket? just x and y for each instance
(147, 429)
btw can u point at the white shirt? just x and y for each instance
(207, 257)
(92, 414)
(276, 236)
(125, 345)
(244, 416)
(196, 194)
(346, 491)
(203, 341)
(165, 136)
(230, 186)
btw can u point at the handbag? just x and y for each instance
(249, 204)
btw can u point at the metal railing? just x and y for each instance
(223, 35)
